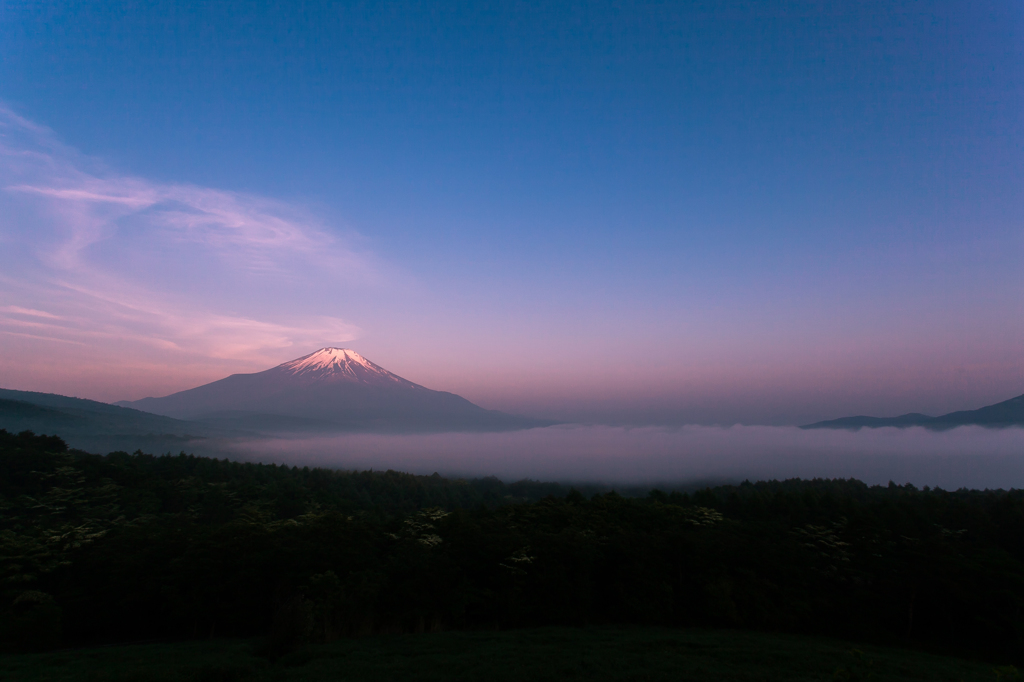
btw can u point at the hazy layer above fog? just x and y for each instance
(963, 457)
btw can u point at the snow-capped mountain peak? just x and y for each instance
(327, 358)
(332, 388)
(341, 364)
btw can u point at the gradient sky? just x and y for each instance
(649, 213)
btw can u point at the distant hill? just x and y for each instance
(94, 426)
(329, 390)
(1007, 413)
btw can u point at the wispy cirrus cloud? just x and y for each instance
(156, 272)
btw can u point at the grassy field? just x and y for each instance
(538, 654)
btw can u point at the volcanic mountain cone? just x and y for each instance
(331, 389)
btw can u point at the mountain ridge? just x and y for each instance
(1006, 413)
(99, 427)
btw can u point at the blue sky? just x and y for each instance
(664, 212)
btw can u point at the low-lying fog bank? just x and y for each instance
(968, 456)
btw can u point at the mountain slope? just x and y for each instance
(96, 426)
(330, 389)
(1007, 413)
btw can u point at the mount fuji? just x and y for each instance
(328, 390)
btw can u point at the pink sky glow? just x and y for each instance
(116, 287)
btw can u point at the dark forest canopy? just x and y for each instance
(125, 547)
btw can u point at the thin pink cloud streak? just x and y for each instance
(151, 274)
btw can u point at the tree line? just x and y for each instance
(122, 547)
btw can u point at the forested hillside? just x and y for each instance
(128, 547)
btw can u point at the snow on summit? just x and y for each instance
(327, 358)
(339, 364)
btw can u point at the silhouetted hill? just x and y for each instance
(94, 426)
(1007, 413)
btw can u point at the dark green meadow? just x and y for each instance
(593, 654)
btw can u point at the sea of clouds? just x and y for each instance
(969, 456)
